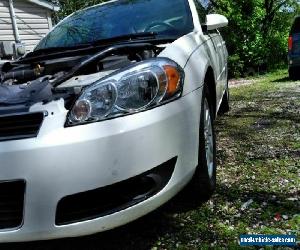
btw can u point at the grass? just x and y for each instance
(259, 161)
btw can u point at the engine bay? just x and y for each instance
(42, 79)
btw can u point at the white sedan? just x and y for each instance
(109, 117)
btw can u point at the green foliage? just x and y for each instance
(70, 6)
(257, 33)
(236, 65)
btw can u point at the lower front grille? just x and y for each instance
(110, 199)
(22, 126)
(11, 204)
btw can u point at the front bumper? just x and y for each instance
(65, 161)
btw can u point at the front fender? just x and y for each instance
(189, 52)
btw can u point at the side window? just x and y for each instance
(202, 9)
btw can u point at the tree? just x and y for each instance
(70, 6)
(257, 32)
(273, 8)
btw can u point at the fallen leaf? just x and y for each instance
(277, 217)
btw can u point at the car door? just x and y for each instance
(224, 59)
(221, 54)
(214, 47)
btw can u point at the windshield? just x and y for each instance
(163, 17)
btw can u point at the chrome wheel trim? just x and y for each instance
(209, 139)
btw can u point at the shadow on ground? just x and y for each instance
(284, 79)
(275, 201)
(140, 234)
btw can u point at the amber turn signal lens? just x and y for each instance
(173, 79)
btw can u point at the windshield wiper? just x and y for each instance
(127, 37)
(56, 49)
(141, 36)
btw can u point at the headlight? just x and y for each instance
(137, 88)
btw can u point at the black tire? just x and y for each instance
(202, 182)
(225, 107)
(293, 74)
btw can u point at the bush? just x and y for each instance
(257, 34)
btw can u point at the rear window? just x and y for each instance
(296, 26)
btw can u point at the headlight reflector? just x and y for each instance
(138, 90)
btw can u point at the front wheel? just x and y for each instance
(293, 74)
(204, 180)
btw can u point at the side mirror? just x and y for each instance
(215, 21)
